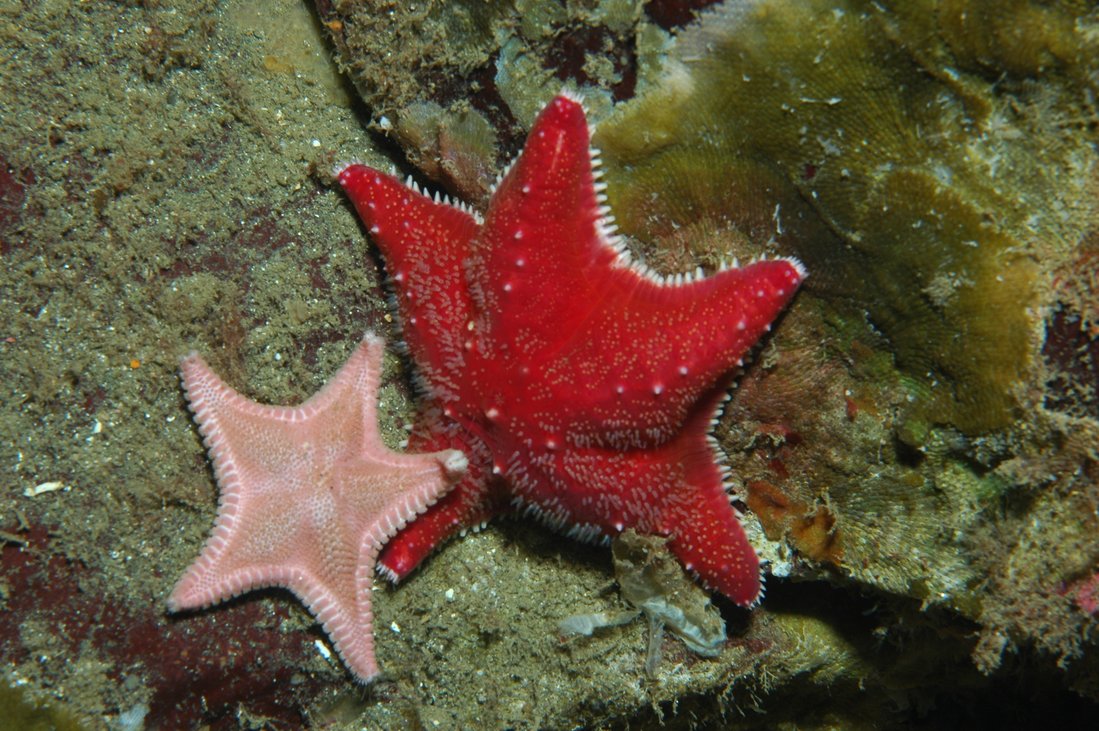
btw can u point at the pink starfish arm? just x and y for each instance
(424, 242)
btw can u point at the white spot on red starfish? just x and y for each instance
(309, 495)
(577, 349)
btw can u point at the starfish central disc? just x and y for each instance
(581, 387)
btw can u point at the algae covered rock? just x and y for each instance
(934, 164)
(458, 83)
(929, 203)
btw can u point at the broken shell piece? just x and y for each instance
(43, 487)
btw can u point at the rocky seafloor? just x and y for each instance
(915, 445)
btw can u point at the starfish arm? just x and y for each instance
(471, 503)
(708, 539)
(650, 350)
(616, 356)
(704, 528)
(463, 508)
(424, 242)
(543, 231)
(675, 490)
(350, 631)
(403, 491)
(679, 493)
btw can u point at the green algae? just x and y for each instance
(21, 712)
(898, 192)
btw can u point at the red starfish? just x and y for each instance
(582, 389)
(309, 495)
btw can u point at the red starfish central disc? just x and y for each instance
(582, 388)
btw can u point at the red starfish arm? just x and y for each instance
(706, 534)
(711, 543)
(542, 233)
(423, 242)
(649, 350)
(466, 506)
(676, 490)
(474, 500)
(704, 530)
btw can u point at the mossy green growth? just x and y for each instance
(20, 712)
(923, 183)
(990, 37)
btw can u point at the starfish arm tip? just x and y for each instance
(354, 178)
(798, 266)
(193, 367)
(572, 95)
(355, 646)
(455, 464)
(182, 597)
(387, 573)
(342, 167)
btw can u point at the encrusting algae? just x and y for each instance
(916, 191)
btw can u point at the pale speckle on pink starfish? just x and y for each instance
(309, 495)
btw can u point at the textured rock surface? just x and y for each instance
(179, 197)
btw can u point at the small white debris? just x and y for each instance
(44, 488)
(133, 719)
(396, 628)
(449, 594)
(586, 624)
(323, 649)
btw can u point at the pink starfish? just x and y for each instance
(582, 388)
(309, 495)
